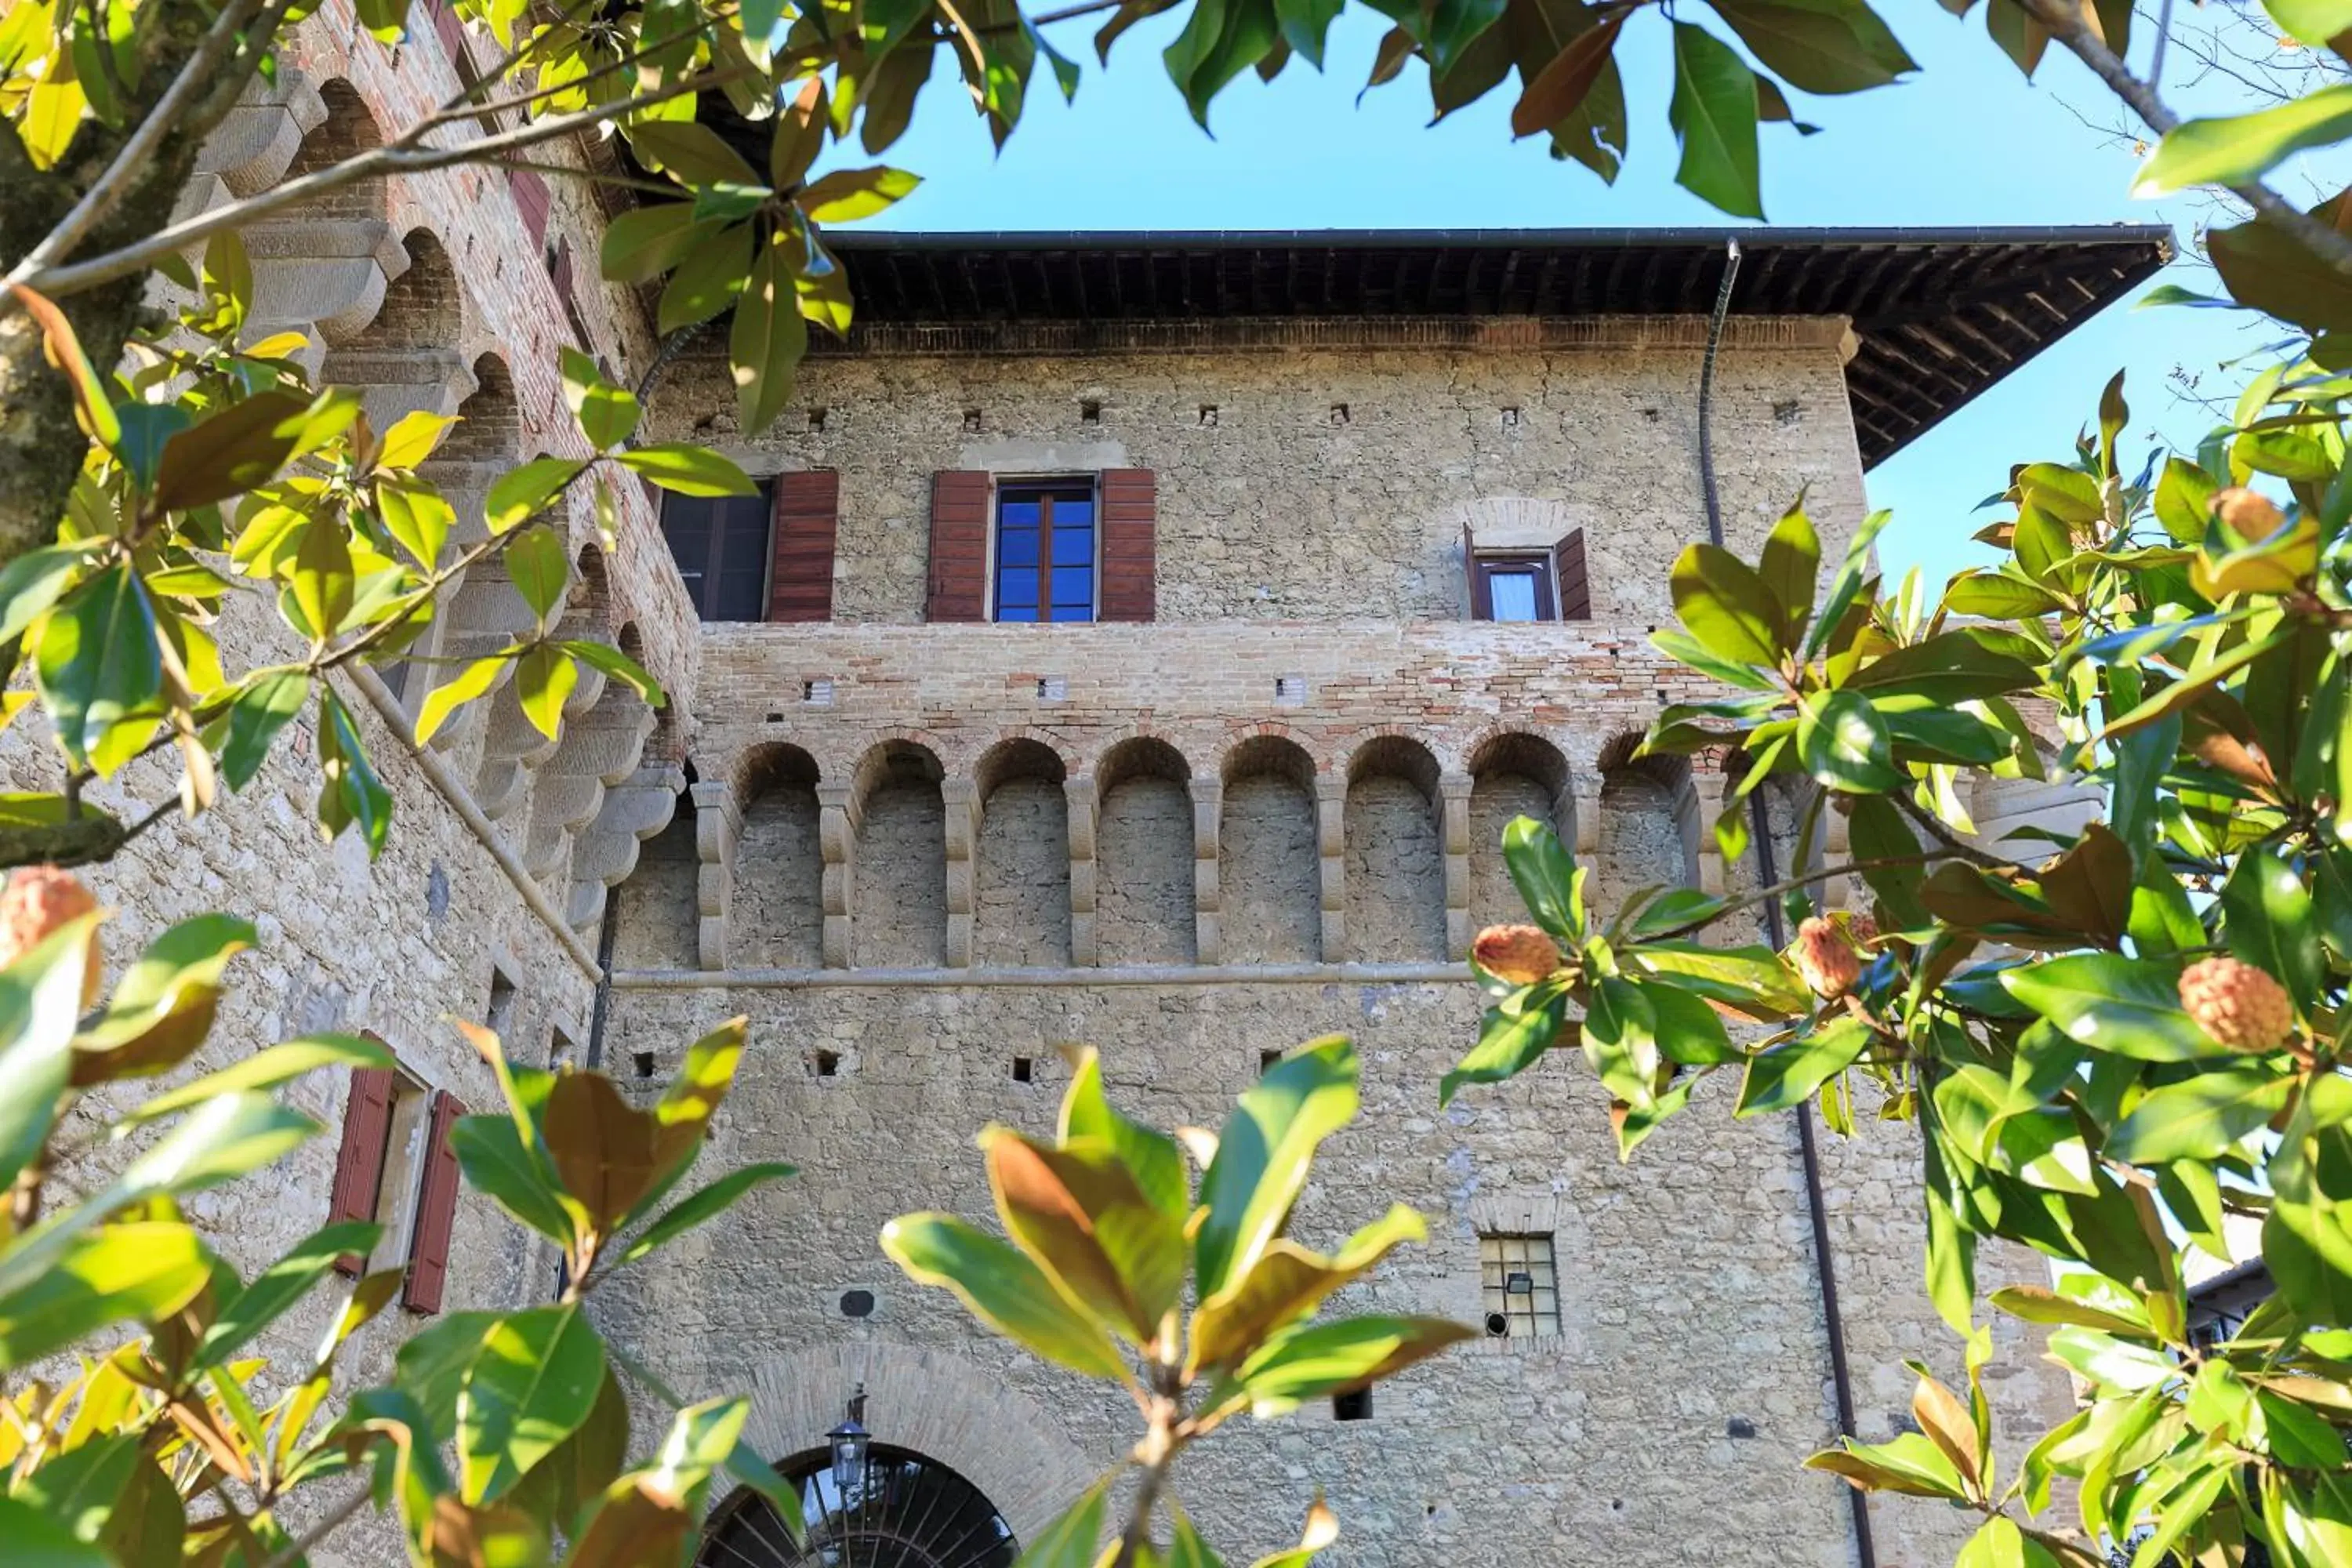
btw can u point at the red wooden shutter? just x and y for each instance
(807, 516)
(359, 1168)
(1573, 587)
(531, 199)
(1482, 600)
(1130, 562)
(959, 576)
(436, 1211)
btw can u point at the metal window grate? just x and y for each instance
(1520, 1284)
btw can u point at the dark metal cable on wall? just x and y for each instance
(1760, 833)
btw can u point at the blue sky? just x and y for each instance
(1965, 142)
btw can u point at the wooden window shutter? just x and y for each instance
(958, 571)
(359, 1168)
(1130, 559)
(1482, 598)
(1572, 587)
(436, 1211)
(807, 517)
(531, 199)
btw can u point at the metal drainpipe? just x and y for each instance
(607, 933)
(1760, 833)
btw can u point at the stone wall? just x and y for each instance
(1305, 484)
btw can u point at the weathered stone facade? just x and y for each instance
(1273, 813)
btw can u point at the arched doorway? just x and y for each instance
(903, 1512)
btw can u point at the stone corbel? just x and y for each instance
(1331, 863)
(961, 798)
(1085, 804)
(1453, 836)
(837, 814)
(717, 823)
(1208, 807)
(1582, 828)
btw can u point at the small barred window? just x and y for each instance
(1521, 1286)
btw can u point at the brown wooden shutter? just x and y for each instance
(359, 1168)
(1131, 551)
(959, 575)
(533, 199)
(436, 1211)
(1482, 599)
(1574, 587)
(807, 517)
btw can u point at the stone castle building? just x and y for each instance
(1140, 640)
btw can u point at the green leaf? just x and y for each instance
(2239, 148)
(521, 494)
(1910, 1464)
(688, 470)
(695, 154)
(1727, 607)
(1509, 1042)
(2269, 922)
(544, 681)
(78, 1487)
(607, 414)
(40, 1000)
(1219, 40)
(99, 665)
(411, 438)
(140, 1270)
(1713, 113)
(531, 1384)
(2130, 1007)
(1845, 744)
(431, 1366)
(1077, 1212)
(846, 196)
(1263, 1154)
(1565, 84)
(460, 689)
(1288, 1283)
(646, 242)
(38, 1540)
(709, 277)
(276, 1289)
(262, 707)
(1305, 24)
(1323, 1359)
(491, 1153)
(240, 448)
(1820, 45)
(1790, 566)
(1850, 575)
(351, 791)
(36, 580)
(706, 1203)
(1150, 1157)
(765, 343)
(536, 565)
(1997, 596)
(1546, 877)
(2199, 1118)
(267, 1069)
(604, 656)
(1784, 1076)
(1004, 1289)
(1072, 1540)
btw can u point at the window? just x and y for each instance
(1527, 584)
(396, 1170)
(1517, 587)
(499, 1015)
(1354, 1406)
(1045, 551)
(1520, 1286)
(720, 545)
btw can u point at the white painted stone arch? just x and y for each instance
(935, 1403)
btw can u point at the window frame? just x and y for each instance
(1538, 564)
(1041, 487)
(701, 590)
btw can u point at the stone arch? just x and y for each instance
(1020, 861)
(1647, 821)
(1270, 854)
(588, 598)
(1395, 837)
(1512, 773)
(776, 913)
(1147, 886)
(901, 911)
(323, 266)
(657, 914)
(934, 1402)
(407, 360)
(490, 421)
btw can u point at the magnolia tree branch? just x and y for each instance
(2066, 25)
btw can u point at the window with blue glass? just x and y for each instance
(1045, 551)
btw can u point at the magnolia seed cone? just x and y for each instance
(1825, 958)
(2240, 1006)
(37, 901)
(2249, 515)
(1520, 955)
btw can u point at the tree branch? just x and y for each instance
(2066, 25)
